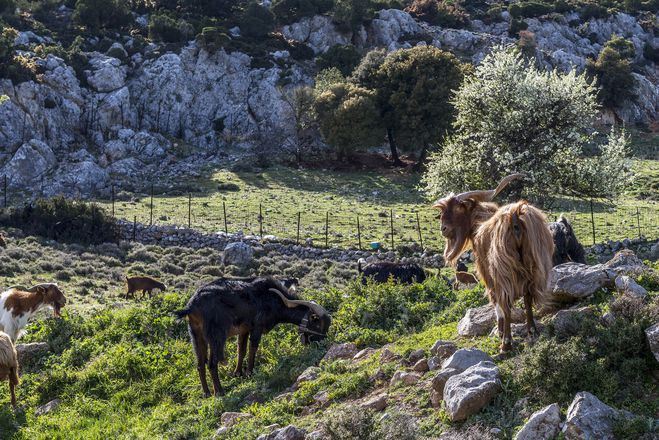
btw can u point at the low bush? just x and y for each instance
(63, 220)
(593, 11)
(212, 39)
(256, 21)
(529, 9)
(165, 28)
(100, 14)
(344, 57)
(290, 11)
(439, 13)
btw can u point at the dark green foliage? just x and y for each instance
(7, 6)
(517, 25)
(651, 53)
(256, 21)
(613, 71)
(63, 220)
(623, 46)
(212, 39)
(300, 51)
(593, 10)
(611, 362)
(438, 12)
(529, 9)
(100, 14)
(7, 36)
(348, 15)
(164, 28)
(342, 56)
(290, 11)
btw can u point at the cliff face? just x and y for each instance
(131, 114)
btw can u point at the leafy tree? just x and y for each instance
(350, 14)
(348, 118)
(327, 78)
(301, 102)
(164, 28)
(256, 21)
(513, 117)
(613, 71)
(98, 14)
(414, 90)
(344, 57)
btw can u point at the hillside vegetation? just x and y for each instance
(126, 369)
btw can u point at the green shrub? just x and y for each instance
(7, 37)
(344, 57)
(613, 71)
(164, 28)
(517, 25)
(7, 6)
(439, 13)
(529, 9)
(651, 53)
(212, 39)
(593, 11)
(98, 14)
(348, 15)
(300, 51)
(256, 21)
(290, 11)
(63, 220)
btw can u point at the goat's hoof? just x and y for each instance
(207, 394)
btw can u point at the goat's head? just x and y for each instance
(316, 321)
(459, 218)
(52, 295)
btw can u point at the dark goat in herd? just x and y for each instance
(247, 308)
(381, 271)
(566, 246)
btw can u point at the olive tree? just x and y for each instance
(513, 118)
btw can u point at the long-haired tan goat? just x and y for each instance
(512, 245)
(8, 364)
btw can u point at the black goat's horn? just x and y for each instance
(298, 302)
(488, 195)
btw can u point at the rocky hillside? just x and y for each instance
(125, 108)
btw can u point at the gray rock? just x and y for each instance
(117, 51)
(465, 358)
(420, 366)
(28, 353)
(238, 254)
(574, 282)
(568, 322)
(376, 403)
(652, 334)
(107, 74)
(290, 432)
(317, 32)
(626, 285)
(415, 356)
(466, 393)
(654, 251)
(405, 378)
(30, 163)
(47, 408)
(307, 375)
(440, 379)
(363, 354)
(544, 424)
(229, 419)
(443, 349)
(589, 418)
(389, 26)
(477, 321)
(388, 355)
(340, 351)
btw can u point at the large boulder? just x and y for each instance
(544, 424)
(652, 333)
(30, 163)
(477, 321)
(588, 418)
(465, 358)
(106, 74)
(389, 26)
(627, 285)
(318, 32)
(466, 393)
(238, 254)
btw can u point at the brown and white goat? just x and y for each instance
(512, 245)
(8, 364)
(18, 304)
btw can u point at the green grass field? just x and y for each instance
(340, 197)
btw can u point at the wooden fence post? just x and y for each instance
(392, 228)
(189, 210)
(297, 239)
(224, 209)
(592, 219)
(134, 227)
(418, 228)
(112, 196)
(638, 222)
(327, 229)
(151, 208)
(5, 190)
(260, 221)
(359, 234)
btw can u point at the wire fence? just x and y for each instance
(364, 228)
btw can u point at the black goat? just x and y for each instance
(566, 246)
(381, 271)
(246, 308)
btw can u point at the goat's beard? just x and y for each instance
(454, 248)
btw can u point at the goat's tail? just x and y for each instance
(359, 264)
(180, 314)
(13, 375)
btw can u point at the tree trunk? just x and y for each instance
(394, 151)
(422, 158)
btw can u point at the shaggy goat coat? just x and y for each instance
(8, 363)
(513, 252)
(18, 305)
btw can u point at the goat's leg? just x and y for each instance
(531, 329)
(507, 342)
(217, 342)
(242, 348)
(201, 351)
(499, 314)
(254, 340)
(12, 392)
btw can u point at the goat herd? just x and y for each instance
(514, 252)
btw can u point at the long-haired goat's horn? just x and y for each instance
(290, 303)
(489, 195)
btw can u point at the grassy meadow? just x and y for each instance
(125, 369)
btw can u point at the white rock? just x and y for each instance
(466, 393)
(544, 424)
(652, 334)
(626, 285)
